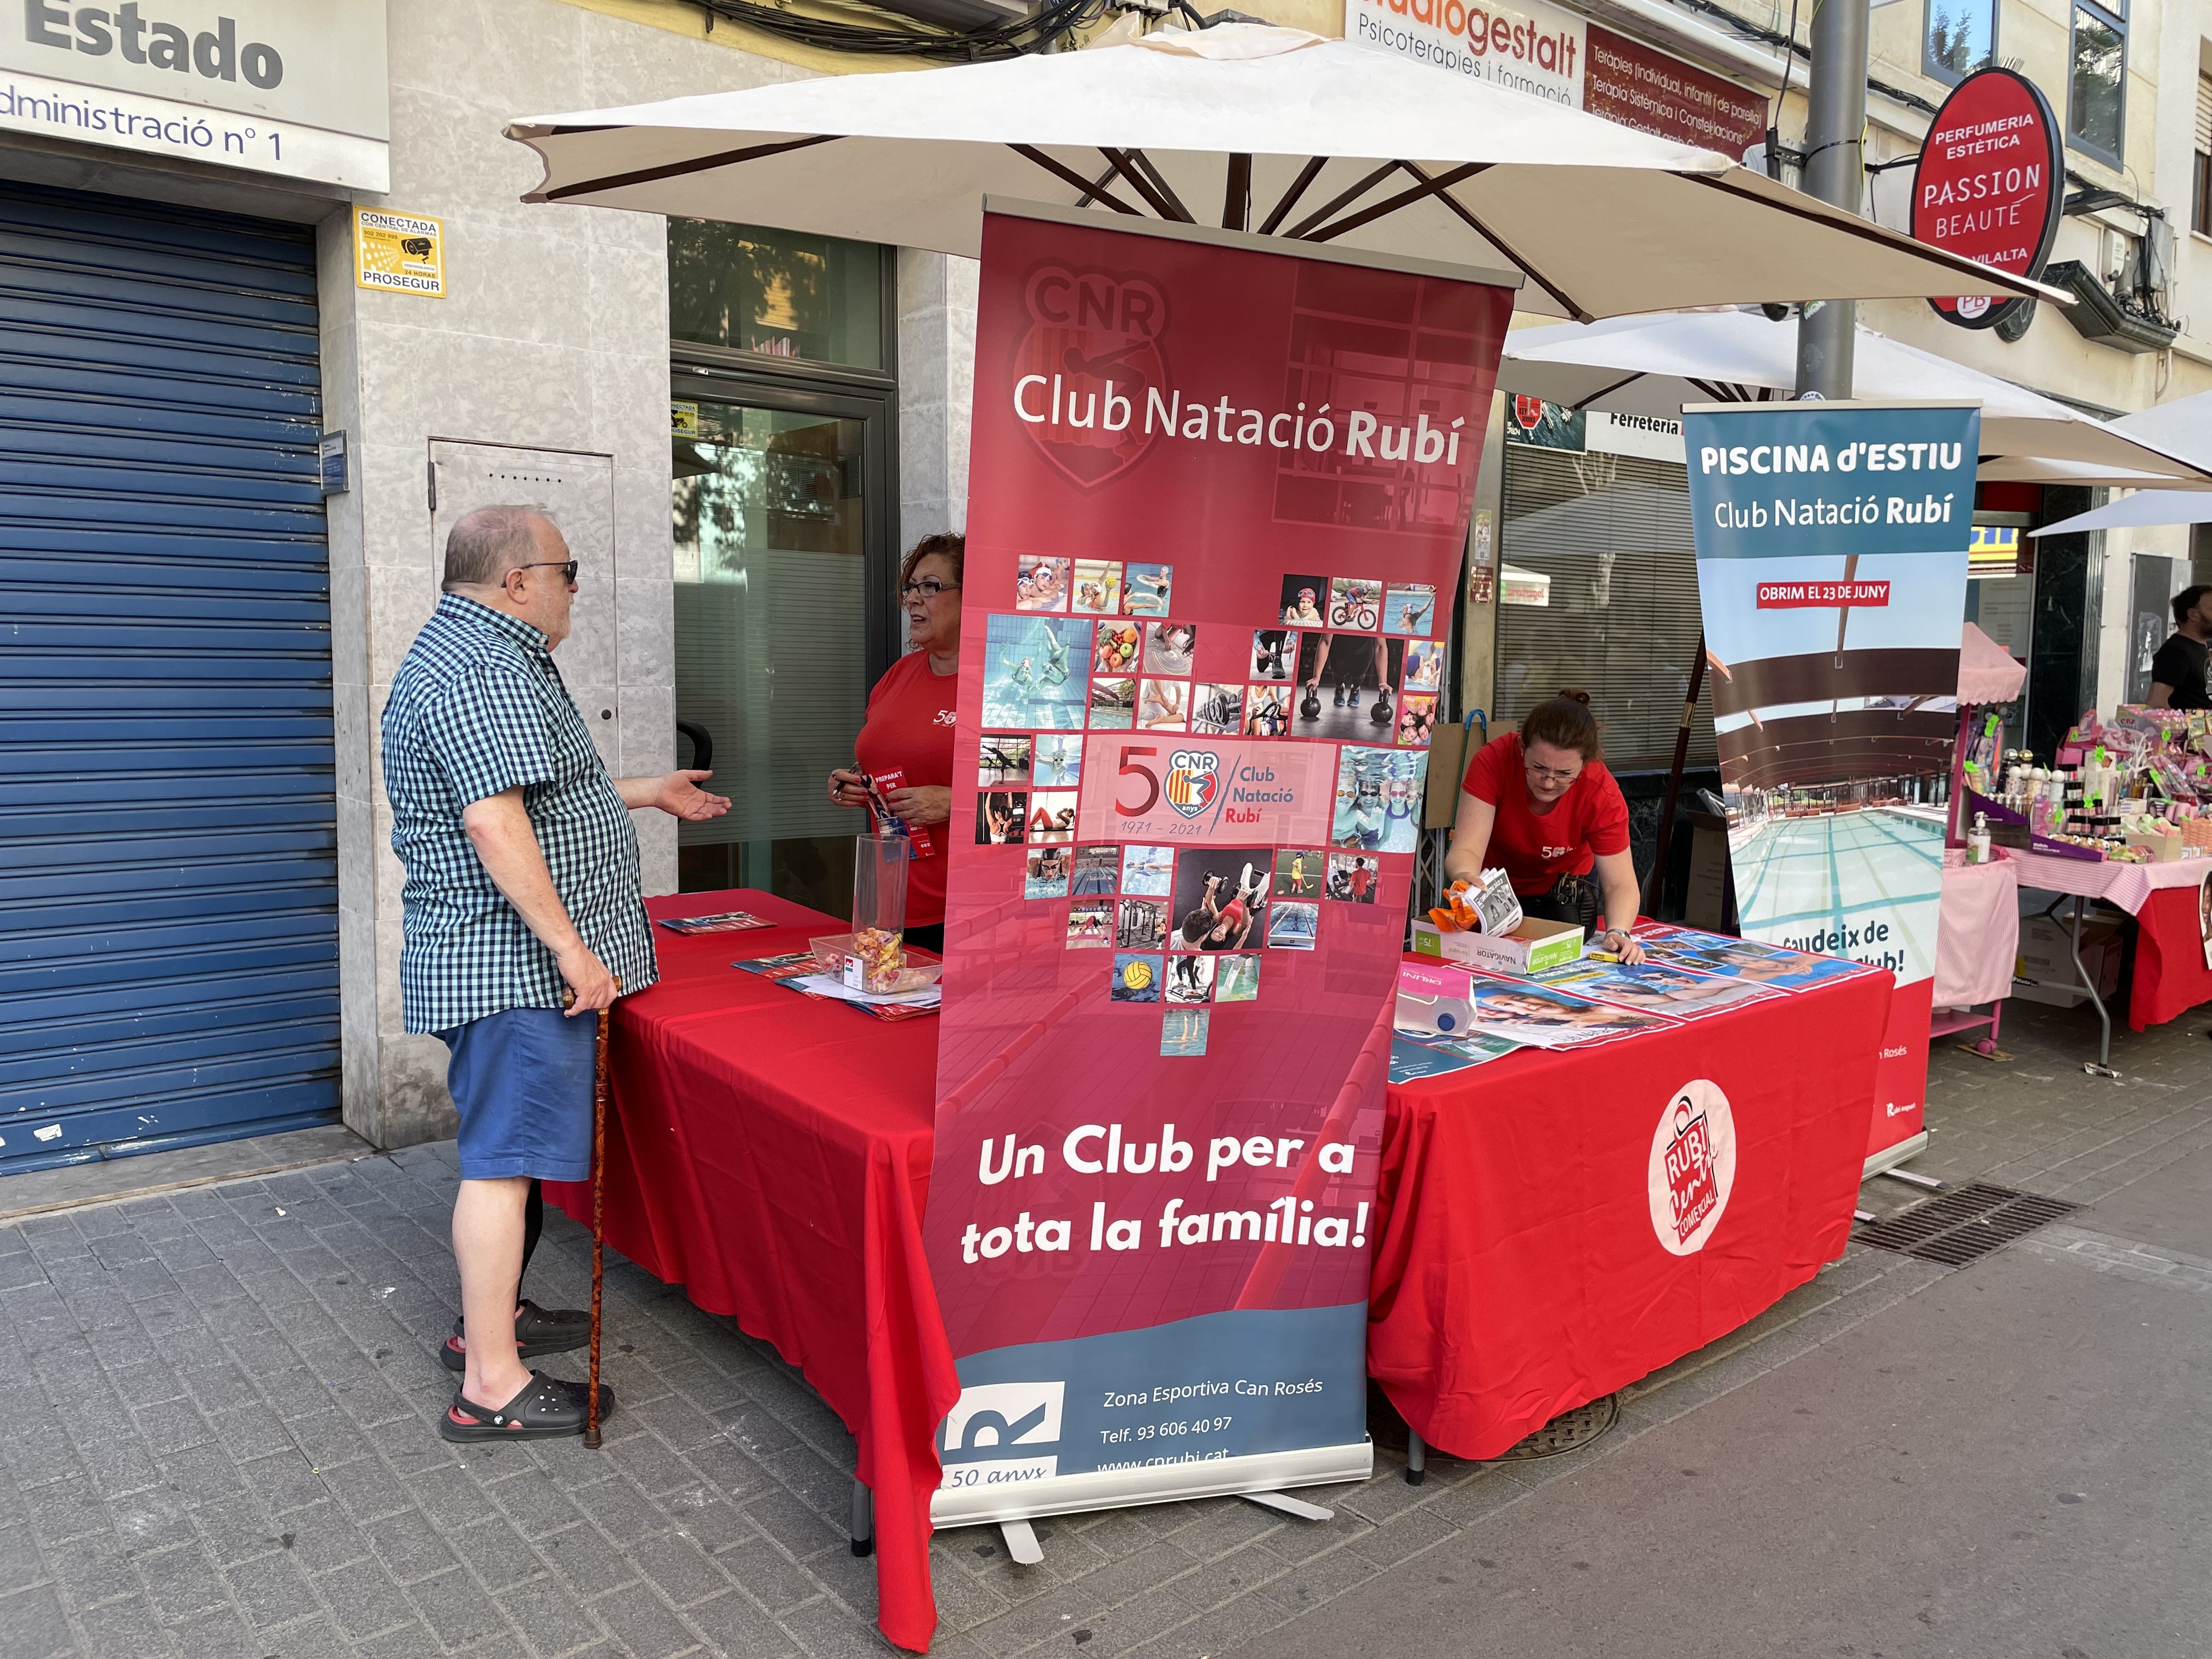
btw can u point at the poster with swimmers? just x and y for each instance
(1220, 497)
(1831, 571)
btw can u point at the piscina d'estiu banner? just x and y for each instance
(1218, 499)
(1832, 567)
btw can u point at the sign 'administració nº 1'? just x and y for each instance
(265, 86)
(1991, 185)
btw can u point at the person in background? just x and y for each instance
(908, 727)
(2177, 672)
(522, 888)
(1539, 804)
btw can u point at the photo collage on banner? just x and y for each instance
(1218, 492)
(1832, 542)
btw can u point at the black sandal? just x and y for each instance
(545, 1408)
(536, 1331)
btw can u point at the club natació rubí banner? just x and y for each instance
(1832, 567)
(1218, 499)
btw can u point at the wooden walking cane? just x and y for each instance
(598, 1225)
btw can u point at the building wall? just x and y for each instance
(555, 336)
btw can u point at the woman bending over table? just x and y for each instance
(908, 727)
(1539, 804)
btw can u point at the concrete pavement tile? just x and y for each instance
(1405, 1537)
(411, 1640)
(21, 1567)
(236, 1527)
(218, 1633)
(322, 1537)
(800, 1531)
(34, 1626)
(500, 1556)
(826, 1631)
(363, 1598)
(409, 1546)
(550, 1619)
(771, 1578)
(682, 1572)
(1229, 1625)
(455, 1607)
(1117, 1630)
(121, 1629)
(67, 1508)
(447, 1494)
(313, 1638)
(271, 1591)
(644, 1623)
(181, 1582)
(582, 1559)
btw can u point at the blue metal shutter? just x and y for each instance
(168, 849)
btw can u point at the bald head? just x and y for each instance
(487, 543)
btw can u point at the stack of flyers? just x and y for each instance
(729, 921)
(1659, 986)
(1522, 1010)
(1415, 1054)
(795, 966)
(1741, 958)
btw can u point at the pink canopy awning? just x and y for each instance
(1988, 673)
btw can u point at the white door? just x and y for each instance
(576, 492)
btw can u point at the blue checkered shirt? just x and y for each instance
(477, 708)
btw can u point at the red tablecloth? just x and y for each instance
(771, 1154)
(1519, 1271)
(2170, 977)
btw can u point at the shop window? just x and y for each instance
(775, 293)
(1599, 592)
(1961, 37)
(2096, 105)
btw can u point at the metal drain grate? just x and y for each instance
(1966, 1224)
(1569, 1432)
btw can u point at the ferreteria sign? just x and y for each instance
(1991, 185)
(295, 87)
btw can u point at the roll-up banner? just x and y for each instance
(1218, 496)
(1831, 565)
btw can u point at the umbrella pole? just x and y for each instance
(1655, 886)
(598, 1223)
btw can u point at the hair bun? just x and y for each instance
(1581, 697)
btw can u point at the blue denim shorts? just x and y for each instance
(521, 1079)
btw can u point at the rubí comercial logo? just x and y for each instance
(1091, 353)
(1193, 779)
(1693, 1167)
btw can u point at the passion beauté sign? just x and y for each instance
(1217, 491)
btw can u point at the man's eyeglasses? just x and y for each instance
(567, 568)
(1551, 774)
(929, 589)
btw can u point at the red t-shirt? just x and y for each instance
(909, 728)
(1589, 819)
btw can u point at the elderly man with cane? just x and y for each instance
(523, 916)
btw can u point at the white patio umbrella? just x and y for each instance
(1654, 365)
(1252, 128)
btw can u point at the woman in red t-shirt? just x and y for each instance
(908, 728)
(1539, 804)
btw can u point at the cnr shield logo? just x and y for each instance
(1002, 1420)
(1193, 779)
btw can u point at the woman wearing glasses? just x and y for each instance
(909, 729)
(1539, 804)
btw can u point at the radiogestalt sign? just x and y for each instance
(1832, 567)
(1218, 494)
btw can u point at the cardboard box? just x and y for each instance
(2043, 971)
(1530, 949)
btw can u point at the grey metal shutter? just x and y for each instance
(168, 879)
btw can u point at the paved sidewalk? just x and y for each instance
(222, 1437)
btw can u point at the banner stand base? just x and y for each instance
(1166, 1483)
(1890, 1156)
(1284, 1504)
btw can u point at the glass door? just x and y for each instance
(783, 611)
